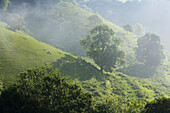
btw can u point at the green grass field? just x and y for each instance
(18, 52)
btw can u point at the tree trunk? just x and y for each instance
(101, 69)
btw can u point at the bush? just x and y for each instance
(160, 105)
(118, 105)
(43, 90)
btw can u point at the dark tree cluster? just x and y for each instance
(43, 90)
(149, 50)
(160, 105)
(128, 28)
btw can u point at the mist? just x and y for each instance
(154, 15)
(108, 50)
(43, 19)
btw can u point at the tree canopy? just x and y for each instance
(95, 19)
(149, 50)
(102, 46)
(160, 105)
(118, 105)
(4, 4)
(43, 90)
(139, 29)
(128, 27)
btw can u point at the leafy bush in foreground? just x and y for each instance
(43, 90)
(160, 105)
(118, 105)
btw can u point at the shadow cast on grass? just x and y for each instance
(77, 68)
(138, 70)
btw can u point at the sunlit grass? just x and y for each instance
(18, 52)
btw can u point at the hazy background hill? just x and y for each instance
(62, 25)
(153, 14)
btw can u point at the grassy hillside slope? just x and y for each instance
(19, 52)
(64, 24)
(117, 84)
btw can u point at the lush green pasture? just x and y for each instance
(19, 52)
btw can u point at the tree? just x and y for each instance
(4, 4)
(128, 27)
(95, 19)
(117, 105)
(139, 29)
(149, 50)
(43, 90)
(102, 46)
(160, 105)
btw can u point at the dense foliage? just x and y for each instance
(94, 20)
(160, 105)
(102, 46)
(128, 27)
(43, 90)
(118, 105)
(139, 29)
(4, 4)
(149, 50)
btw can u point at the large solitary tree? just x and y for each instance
(149, 50)
(102, 46)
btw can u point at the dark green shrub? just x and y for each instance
(42, 90)
(160, 105)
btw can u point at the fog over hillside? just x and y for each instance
(84, 56)
(153, 14)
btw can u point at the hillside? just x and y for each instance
(19, 52)
(64, 24)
